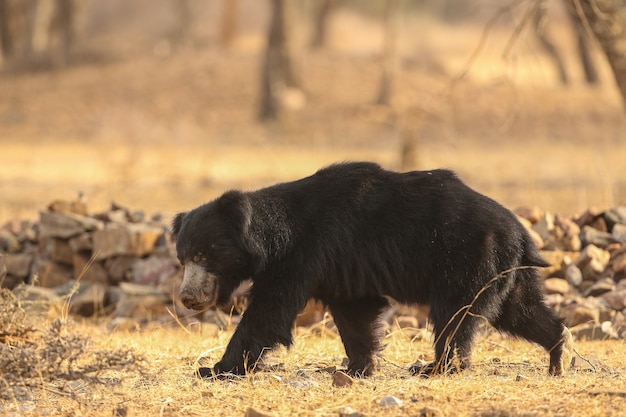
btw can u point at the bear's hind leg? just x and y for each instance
(524, 314)
(357, 322)
(454, 336)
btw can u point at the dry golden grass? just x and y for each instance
(152, 373)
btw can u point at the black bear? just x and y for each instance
(352, 235)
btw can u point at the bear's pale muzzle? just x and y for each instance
(199, 288)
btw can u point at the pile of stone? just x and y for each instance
(121, 264)
(586, 283)
(117, 261)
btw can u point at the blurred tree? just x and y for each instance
(390, 52)
(280, 83)
(184, 21)
(38, 29)
(320, 23)
(606, 19)
(6, 40)
(229, 25)
(540, 15)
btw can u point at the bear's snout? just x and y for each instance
(199, 287)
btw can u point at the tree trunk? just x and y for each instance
(606, 19)
(389, 59)
(320, 23)
(278, 74)
(66, 13)
(229, 24)
(6, 42)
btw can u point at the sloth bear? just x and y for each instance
(352, 235)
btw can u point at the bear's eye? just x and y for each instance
(200, 259)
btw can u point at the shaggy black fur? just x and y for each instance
(353, 234)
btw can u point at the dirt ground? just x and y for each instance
(163, 129)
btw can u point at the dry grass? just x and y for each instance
(54, 366)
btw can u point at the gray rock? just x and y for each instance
(615, 215)
(125, 239)
(66, 225)
(615, 300)
(619, 232)
(573, 275)
(390, 401)
(592, 331)
(348, 412)
(599, 288)
(17, 264)
(592, 236)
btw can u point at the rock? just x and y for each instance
(8, 242)
(568, 234)
(63, 206)
(584, 314)
(51, 274)
(59, 250)
(589, 217)
(153, 270)
(614, 216)
(341, 379)
(556, 286)
(532, 214)
(390, 401)
(348, 412)
(592, 236)
(66, 225)
(32, 293)
(592, 261)
(618, 263)
(615, 300)
(88, 300)
(619, 232)
(577, 314)
(119, 267)
(88, 270)
(594, 331)
(573, 275)
(82, 242)
(599, 288)
(17, 264)
(545, 226)
(123, 324)
(126, 239)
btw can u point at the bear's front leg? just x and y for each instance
(265, 324)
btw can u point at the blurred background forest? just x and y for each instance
(161, 105)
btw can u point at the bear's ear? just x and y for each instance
(177, 223)
(236, 206)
